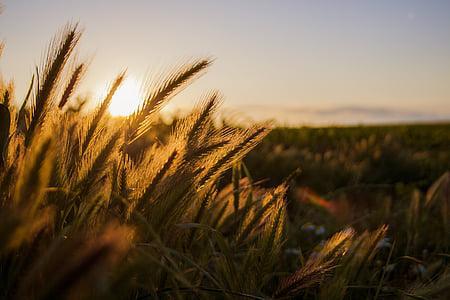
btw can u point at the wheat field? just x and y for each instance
(92, 208)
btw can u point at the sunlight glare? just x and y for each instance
(127, 98)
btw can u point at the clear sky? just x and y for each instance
(316, 61)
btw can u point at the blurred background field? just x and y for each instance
(333, 158)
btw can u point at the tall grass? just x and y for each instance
(90, 210)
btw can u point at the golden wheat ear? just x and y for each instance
(359, 255)
(140, 121)
(73, 83)
(244, 143)
(317, 267)
(207, 107)
(57, 56)
(271, 200)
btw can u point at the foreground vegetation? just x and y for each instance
(91, 207)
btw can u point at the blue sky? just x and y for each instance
(300, 62)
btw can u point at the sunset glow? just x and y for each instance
(127, 98)
(305, 62)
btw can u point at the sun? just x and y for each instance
(126, 99)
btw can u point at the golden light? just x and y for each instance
(126, 99)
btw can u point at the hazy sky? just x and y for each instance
(336, 61)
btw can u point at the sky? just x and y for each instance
(298, 62)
